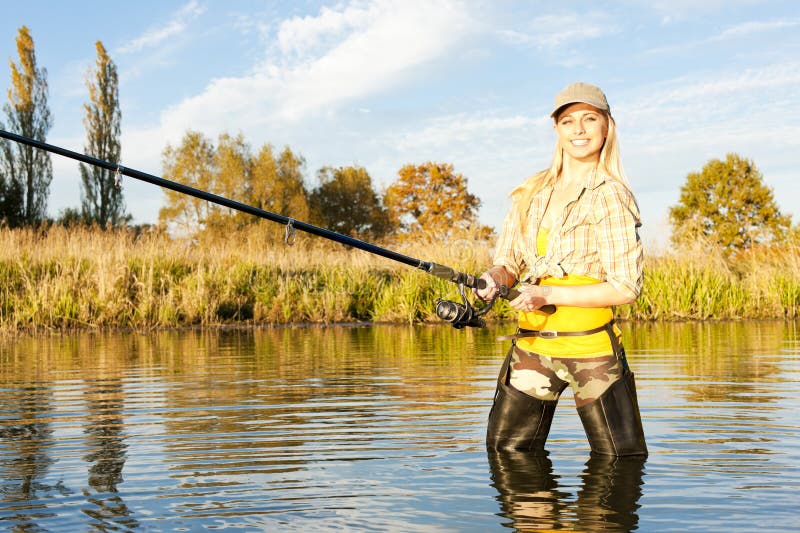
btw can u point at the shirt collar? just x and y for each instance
(595, 178)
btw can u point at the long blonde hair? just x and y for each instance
(609, 164)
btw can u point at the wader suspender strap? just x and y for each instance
(503, 375)
(550, 334)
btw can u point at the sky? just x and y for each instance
(384, 83)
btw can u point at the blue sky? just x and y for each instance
(385, 83)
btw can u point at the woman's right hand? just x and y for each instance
(494, 278)
(488, 292)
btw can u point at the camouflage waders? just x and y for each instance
(529, 387)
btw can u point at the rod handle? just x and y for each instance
(510, 294)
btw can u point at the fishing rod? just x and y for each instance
(458, 314)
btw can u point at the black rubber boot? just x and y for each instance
(518, 421)
(612, 422)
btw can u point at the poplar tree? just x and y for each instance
(101, 200)
(10, 189)
(27, 171)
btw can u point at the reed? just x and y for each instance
(705, 282)
(62, 279)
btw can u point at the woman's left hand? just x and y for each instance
(531, 297)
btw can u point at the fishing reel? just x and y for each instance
(462, 315)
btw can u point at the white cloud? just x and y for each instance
(467, 130)
(156, 36)
(561, 39)
(672, 11)
(749, 28)
(687, 101)
(558, 30)
(316, 65)
(301, 35)
(733, 33)
(323, 61)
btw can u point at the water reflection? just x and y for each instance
(381, 428)
(529, 493)
(532, 499)
(105, 442)
(608, 499)
(28, 436)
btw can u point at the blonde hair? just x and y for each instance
(609, 164)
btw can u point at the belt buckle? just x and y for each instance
(548, 334)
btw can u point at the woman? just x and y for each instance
(571, 239)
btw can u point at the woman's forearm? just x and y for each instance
(595, 295)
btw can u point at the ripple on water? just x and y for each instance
(382, 429)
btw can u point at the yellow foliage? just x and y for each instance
(432, 198)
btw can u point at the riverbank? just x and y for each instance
(83, 279)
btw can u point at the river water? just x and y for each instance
(380, 428)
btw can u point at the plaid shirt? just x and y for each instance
(595, 235)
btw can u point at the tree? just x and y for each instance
(101, 200)
(231, 177)
(432, 198)
(346, 202)
(191, 163)
(11, 193)
(28, 171)
(231, 171)
(277, 185)
(70, 217)
(728, 203)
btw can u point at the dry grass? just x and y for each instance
(705, 283)
(80, 278)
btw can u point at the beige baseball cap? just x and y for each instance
(581, 92)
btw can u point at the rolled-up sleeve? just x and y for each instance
(618, 244)
(505, 252)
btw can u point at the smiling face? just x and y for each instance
(582, 130)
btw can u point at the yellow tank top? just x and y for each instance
(567, 319)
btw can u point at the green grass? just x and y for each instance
(66, 279)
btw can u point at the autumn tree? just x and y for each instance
(432, 198)
(101, 200)
(27, 171)
(231, 179)
(346, 202)
(277, 184)
(727, 203)
(192, 164)
(230, 170)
